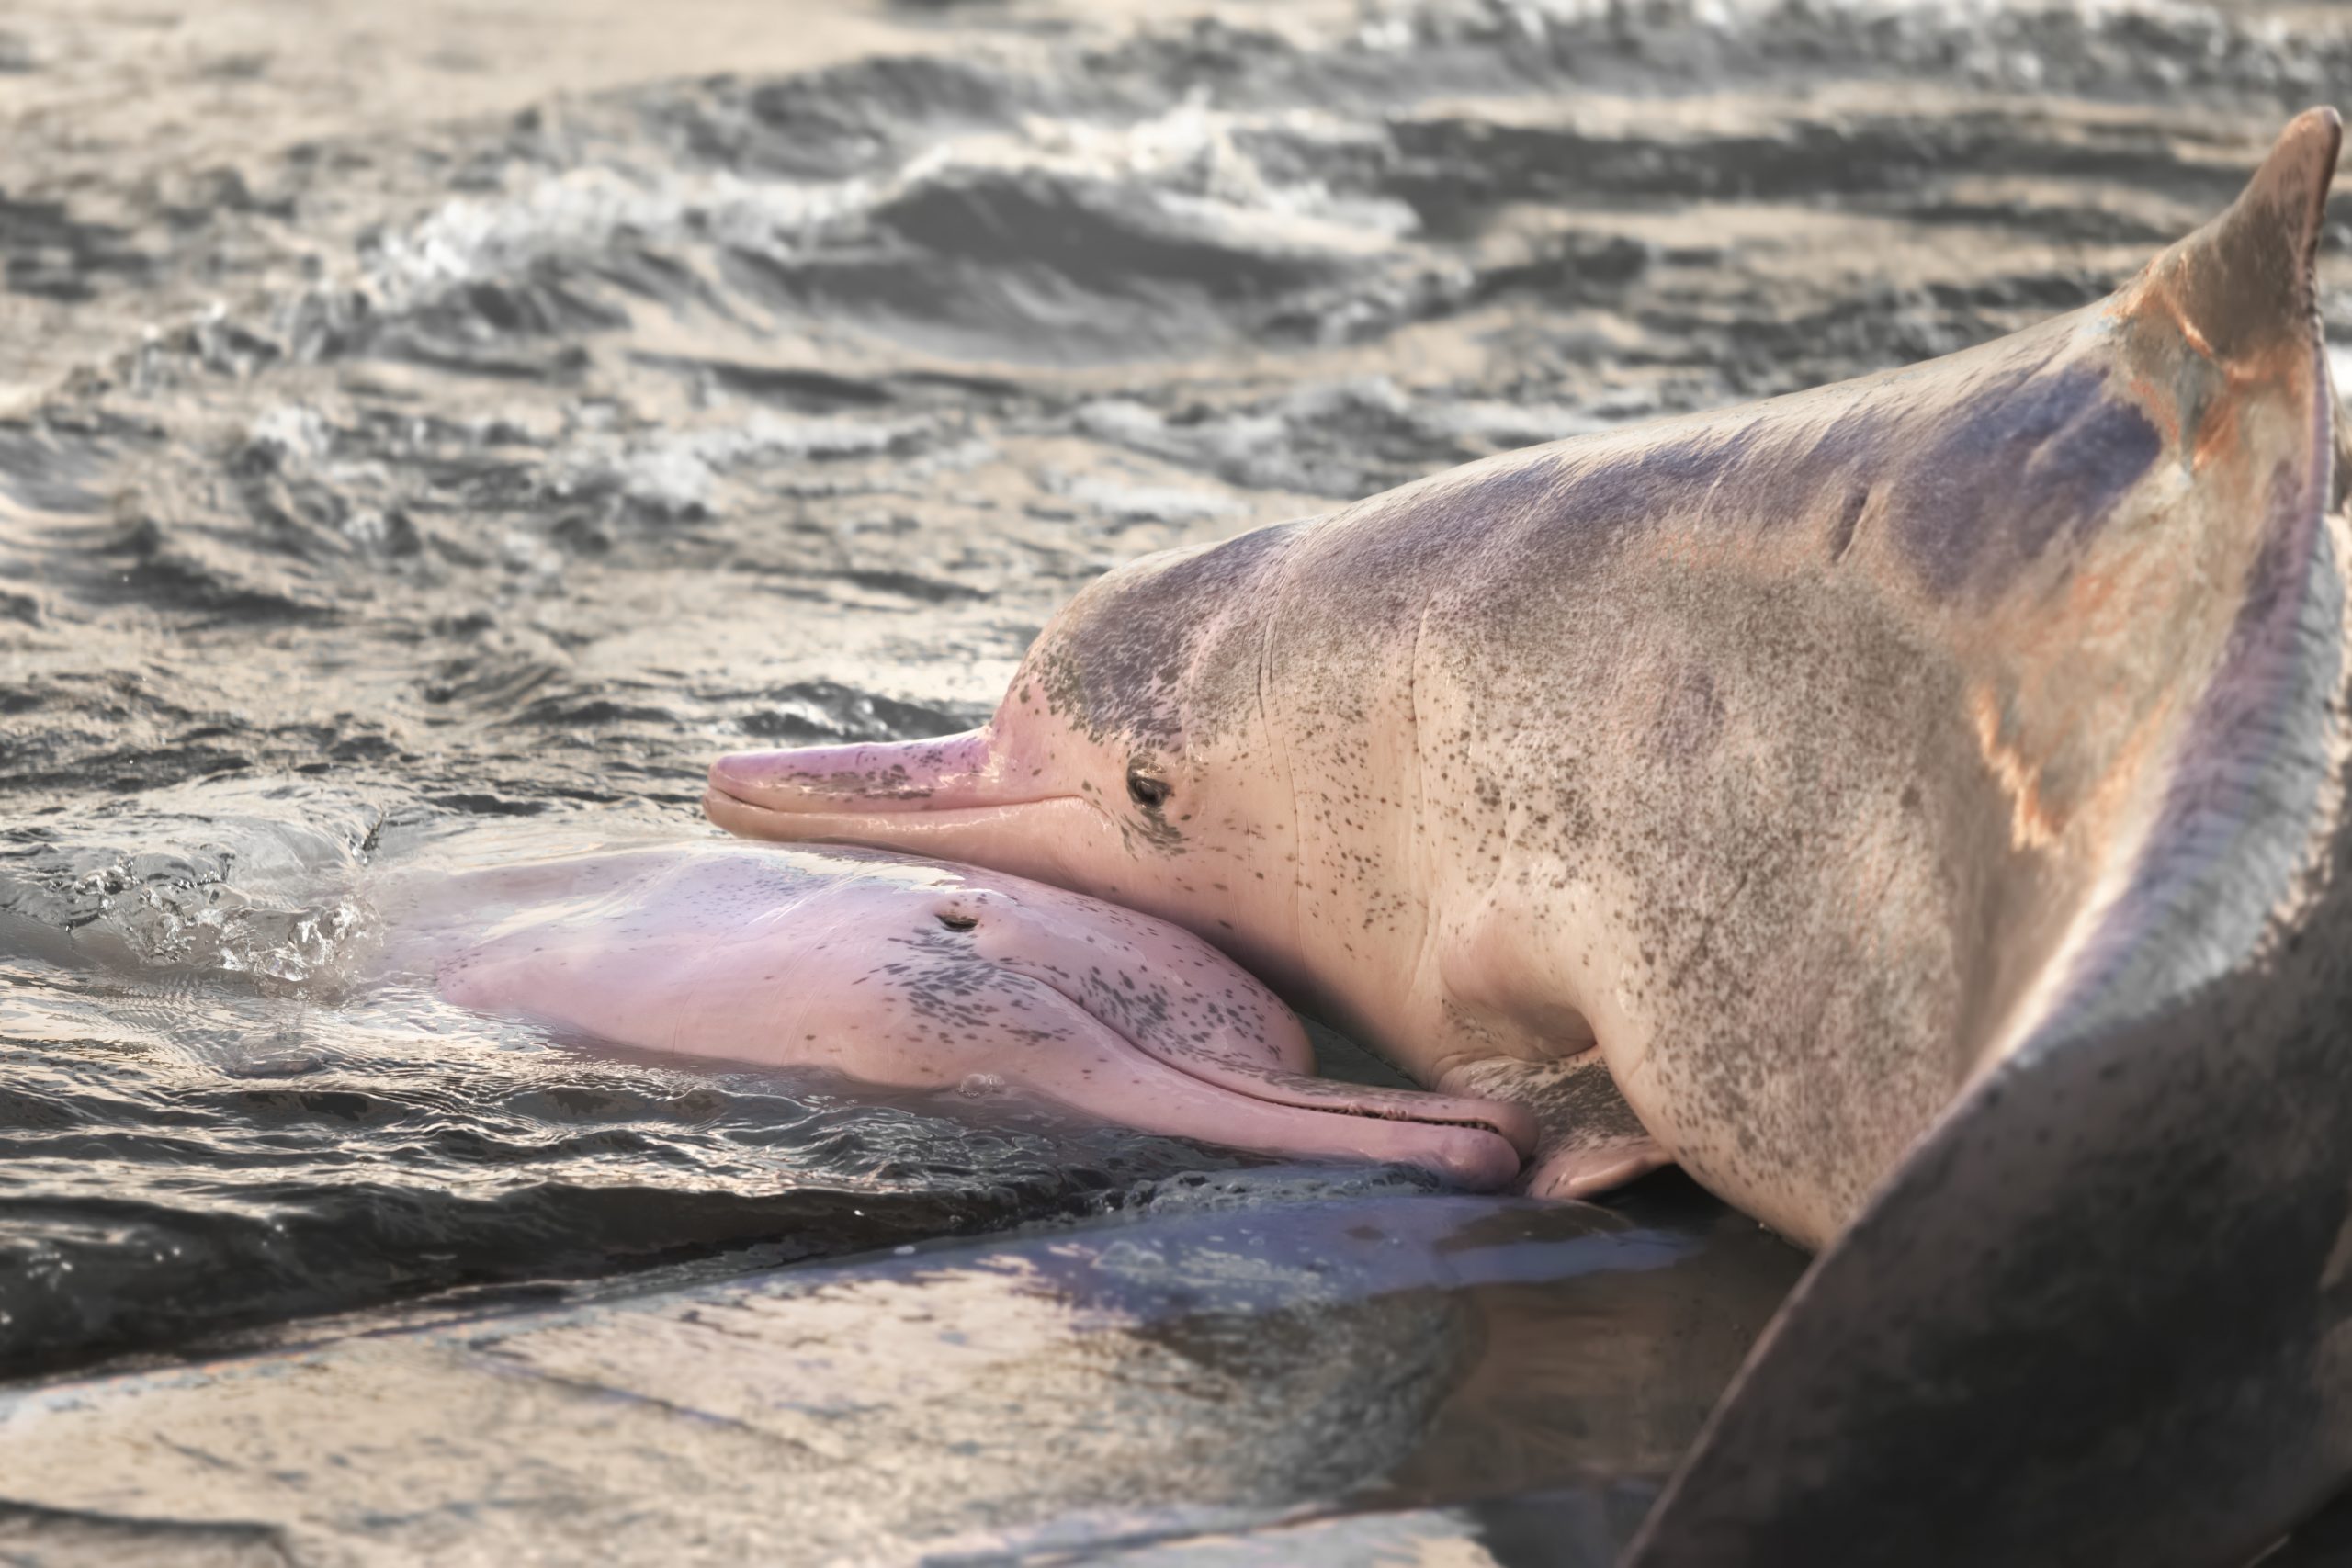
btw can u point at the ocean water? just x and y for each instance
(388, 497)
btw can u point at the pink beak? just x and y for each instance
(950, 799)
(910, 775)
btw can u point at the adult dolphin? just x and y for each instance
(1924, 793)
(909, 975)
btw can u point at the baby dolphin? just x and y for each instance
(915, 975)
(1922, 795)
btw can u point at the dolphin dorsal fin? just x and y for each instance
(2240, 286)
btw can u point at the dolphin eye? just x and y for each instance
(1150, 793)
(960, 922)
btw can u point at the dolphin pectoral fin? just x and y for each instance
(1587, 1139)
(1585, 1167)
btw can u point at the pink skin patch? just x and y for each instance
(913, 974)
(954, 797)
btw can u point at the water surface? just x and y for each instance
(402, 487)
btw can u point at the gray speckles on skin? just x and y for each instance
(1737, 687)
(1576, 1103)
(1166, 649)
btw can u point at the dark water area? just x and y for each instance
(390, 498)
(1240, 1371)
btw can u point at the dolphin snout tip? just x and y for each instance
(1473, 1158)
(1514, 1122)
(761, 794)
(723, 808)
(738, 774)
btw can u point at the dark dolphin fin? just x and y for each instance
(2102, 1313)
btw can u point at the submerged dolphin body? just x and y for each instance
(1924, 796)
(914, 976)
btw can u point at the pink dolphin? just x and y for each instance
(917, 975)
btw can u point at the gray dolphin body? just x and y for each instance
(1925, 798)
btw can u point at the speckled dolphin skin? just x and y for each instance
(2102, 1313)
(1925, 794)
(915, 975)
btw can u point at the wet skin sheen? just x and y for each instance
(916, 976)
(1778, 765)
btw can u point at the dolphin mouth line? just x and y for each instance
(1361, 1114)
(1364, 1115)
(717, 795)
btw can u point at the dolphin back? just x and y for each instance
(2102, 1313)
